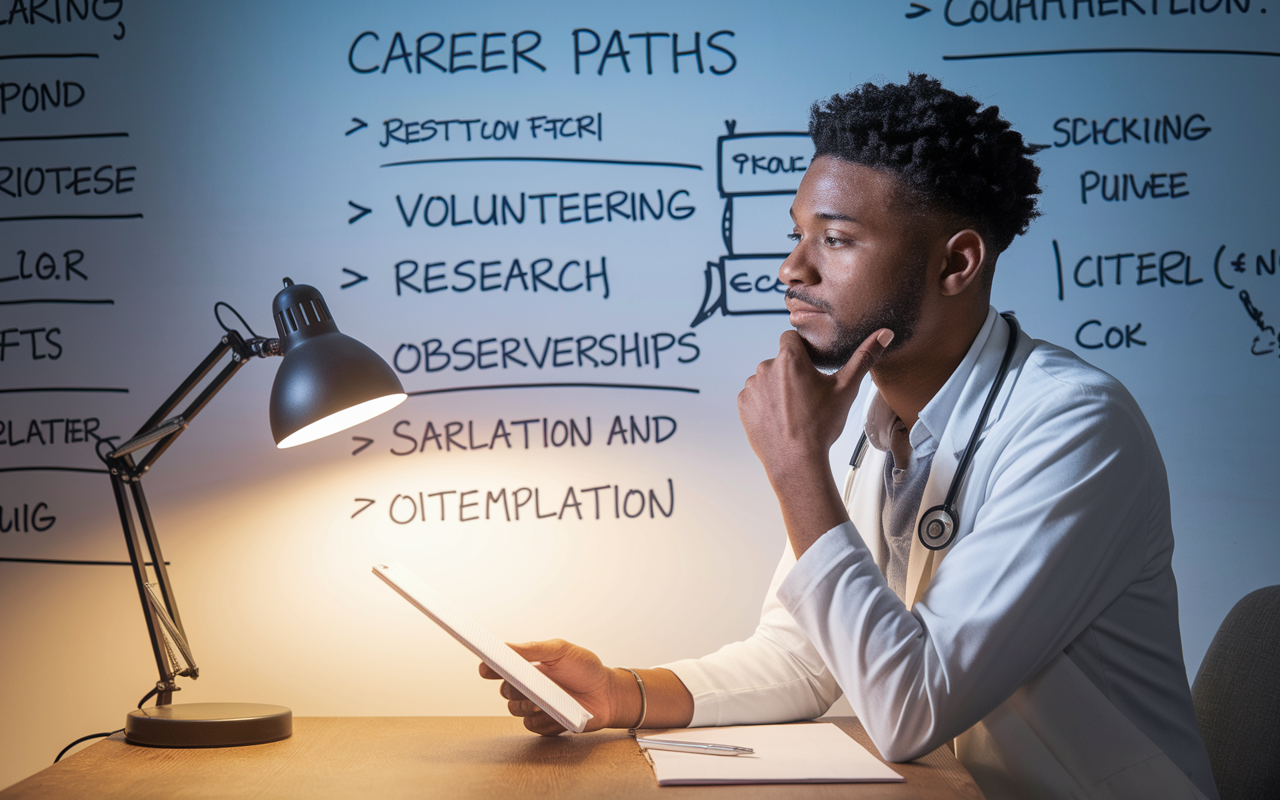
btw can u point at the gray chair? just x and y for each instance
(1237, 699)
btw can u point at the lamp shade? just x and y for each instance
(328, 381)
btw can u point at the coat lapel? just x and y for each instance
(864, 501)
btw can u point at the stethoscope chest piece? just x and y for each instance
(937, 528)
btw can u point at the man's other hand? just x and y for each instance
(792, 414)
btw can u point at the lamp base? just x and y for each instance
(208, 725)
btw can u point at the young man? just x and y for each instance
(1043, 636)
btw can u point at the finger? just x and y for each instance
(523, 708)
(546, 652)
(543, 725)
(488, 673)
(791, 342)
(510, 692)
(849, 377)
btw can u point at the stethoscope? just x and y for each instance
(939, 524)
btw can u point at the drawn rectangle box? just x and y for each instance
(758, 224)
(752, 164)
(742, 285)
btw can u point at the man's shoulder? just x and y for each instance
(1056, 370)
(1062, 403)
(1054, 383)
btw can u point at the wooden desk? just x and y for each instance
(448, 757)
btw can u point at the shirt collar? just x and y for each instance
(939, 410)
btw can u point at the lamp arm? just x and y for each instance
(161, 430)
(170, 627)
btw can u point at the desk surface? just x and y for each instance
(453, 757)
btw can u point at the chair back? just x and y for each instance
(1237, 699)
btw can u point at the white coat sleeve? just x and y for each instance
(1059, 535)
(776, 675)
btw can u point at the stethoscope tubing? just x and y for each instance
(941, 522)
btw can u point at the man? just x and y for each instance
(1044, 638)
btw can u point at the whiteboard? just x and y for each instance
(524, 211)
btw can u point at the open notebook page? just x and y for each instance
(796, 753)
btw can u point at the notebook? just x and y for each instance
(521, 674)
(797, 753)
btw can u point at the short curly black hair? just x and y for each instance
(945, 148)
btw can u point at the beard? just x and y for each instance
(899, 313)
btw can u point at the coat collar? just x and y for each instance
(953, 411)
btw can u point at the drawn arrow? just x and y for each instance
(920, 11)
(367, 441)
(363, 211)
(359, 124)
(358, 279)
(367, 502)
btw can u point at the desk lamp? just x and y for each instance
(327, 383)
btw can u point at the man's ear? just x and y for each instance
(966, 256)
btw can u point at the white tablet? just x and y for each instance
(525, 677)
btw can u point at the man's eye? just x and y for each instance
(832, 241)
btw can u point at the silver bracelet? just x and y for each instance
(644, 701)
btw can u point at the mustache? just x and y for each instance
(796, 293)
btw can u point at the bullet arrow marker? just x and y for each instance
(367, 502)
(363, 211)
(367, 441)
(358, 279)
(359, 124)
(920, 11)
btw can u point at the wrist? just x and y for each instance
(626, 705)
(802, 473)
(811, 504)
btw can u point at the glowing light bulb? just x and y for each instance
(341, 420)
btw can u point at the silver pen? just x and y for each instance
(705, 748)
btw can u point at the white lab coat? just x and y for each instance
(1044, 640)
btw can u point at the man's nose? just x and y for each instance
(796, 268)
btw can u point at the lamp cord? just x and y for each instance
(148, 696)
(84, 739)
(218, 317)
(144, 699)
(99, 441)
